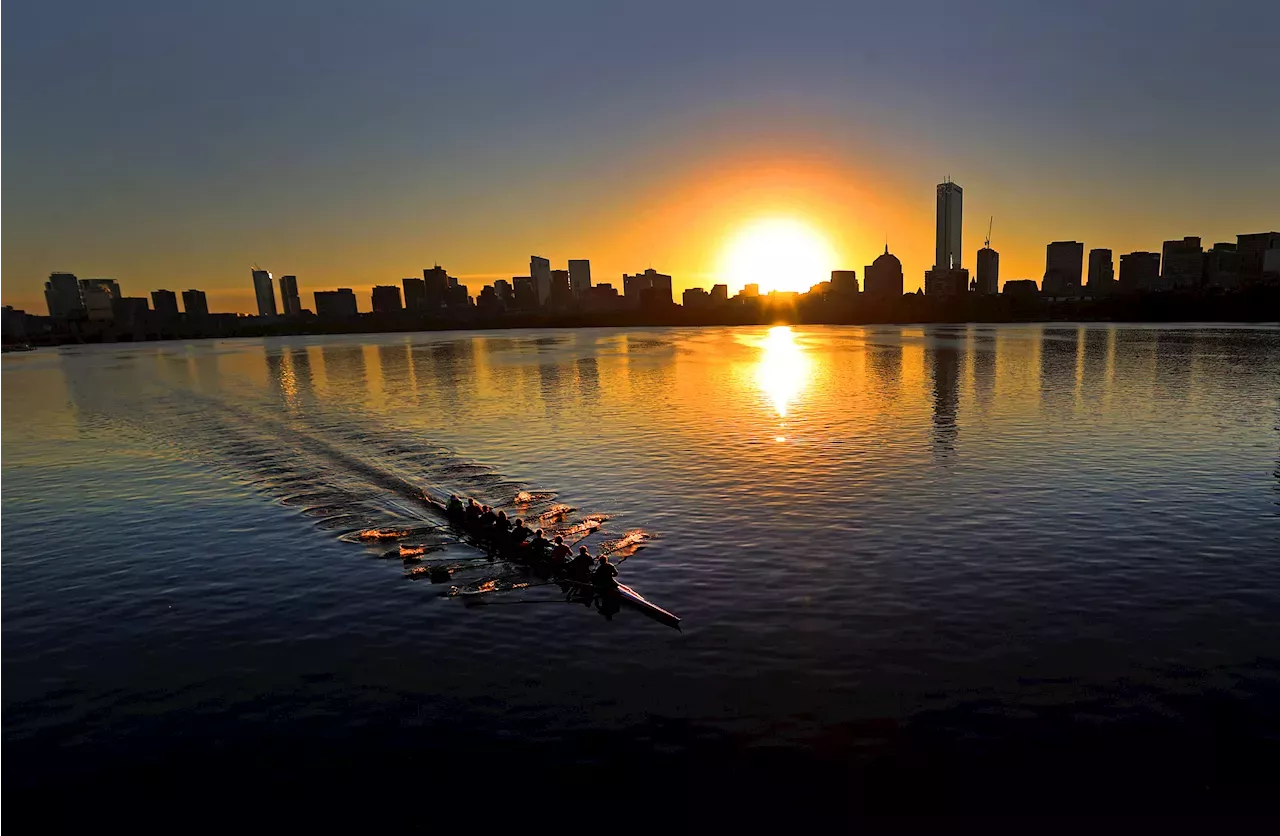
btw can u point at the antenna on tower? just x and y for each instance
(987, 244)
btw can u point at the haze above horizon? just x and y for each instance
(172, 147)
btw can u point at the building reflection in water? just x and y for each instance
(982, 354)
(1059, 356)
(944, 358)
(344, 369)
(300, 360)
(588, 376)
(783, 372)
(397, 371)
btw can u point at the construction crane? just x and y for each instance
(987, 244)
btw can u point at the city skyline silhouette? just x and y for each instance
(357, 154)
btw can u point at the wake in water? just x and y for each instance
(365, 481)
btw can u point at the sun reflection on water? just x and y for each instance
(784, 369)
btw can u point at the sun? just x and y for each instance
(777, 254)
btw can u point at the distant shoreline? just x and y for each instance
(1258, 306)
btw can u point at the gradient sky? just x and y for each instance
(353, 144)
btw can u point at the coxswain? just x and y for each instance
(605, 575)
(559, 553)
(454, 508)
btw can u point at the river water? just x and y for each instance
(899, 552)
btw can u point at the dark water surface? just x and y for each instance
(1018, 553)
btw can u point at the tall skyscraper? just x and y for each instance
(195, 303)
(62, 295)
(540, 272)
(289, 296)
(386, 299)
(1182, 263)
(437, 288)
(1101, 270)
(580, 277)
(166, 303)
(1063, 265)
(264, 289)
(988, 278)
(950, 223)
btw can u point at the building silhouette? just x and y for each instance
(1139, 271)
(950, 225)
(336, 304)
(1063, 265)
(62, 295)
(289, 300)
(988, 277)
(436, 288)
(166, 304)
(1101, 271)
(525, 293)
(695, 298)
(719, 294)
(844, 282)
(1021, 288)
(100, 297)
(580, 278)
(1182, 264)
(385, 299)
(195, 303)
(264, 290)
(415, 295)
(1255, 249)
(131, 311)
(1222, 267)
(883, 277)
(749, 291)
(647, 289)
(950, 282)
(540, 272)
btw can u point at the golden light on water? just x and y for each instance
(778, 254)
(784, 369)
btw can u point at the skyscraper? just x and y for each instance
(289, 296)
(950, 222)
(166, 303)
(437, 288)
(1063, 264)
(540, 272)
(561, 290)
(195, 303)
(1101, 270)
(988, 278)
(580, 277)
(264, 289)
(62, 295)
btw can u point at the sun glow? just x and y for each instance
(778, 254)
(783, 371)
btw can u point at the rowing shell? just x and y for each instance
(637, 601)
